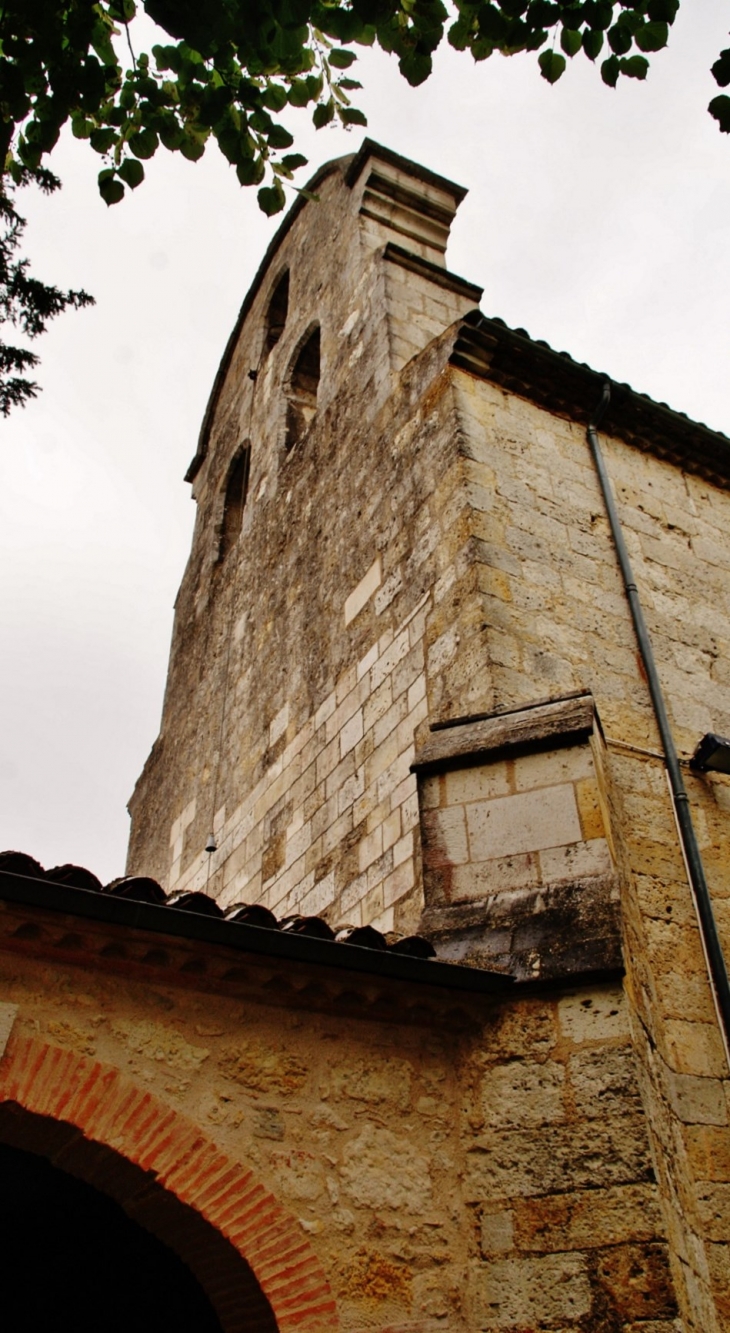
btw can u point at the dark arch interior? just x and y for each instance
(235, 499)
(303, 387)
(277, 312)
(72, 1259)
(81, 1218)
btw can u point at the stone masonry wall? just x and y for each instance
(298, 667)
(436, 548)
(556, 620)
(486, 1171)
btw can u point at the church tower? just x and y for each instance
(320, 617)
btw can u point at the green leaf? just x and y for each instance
(543, 13)
(620, 39)
(592, 42)
(721, 69)
(144, 143)
(192, 146)
(293, 161)
(610, 71)
(169, 129)
(323, 114)
(101, 42)
(652, 37)
(271, 198)
(278, 137)
(102, 140)
(81, 128)
(664, 11)
(719, 108)
(251, 171)
(460, 33)
(349, 115)
(598, 14)
(111, 190)
(122, 10)
(552, 65)
(299, 94)
(636, 67)
(274, 97)
(631, 18)
(415, 67)
(132, 172)
(571, 41)
(166, 57)
(340, 59)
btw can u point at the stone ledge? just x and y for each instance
(562, 721)
(554, 931)
(451, 282)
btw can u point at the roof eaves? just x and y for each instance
(244, 938)
(488, 348)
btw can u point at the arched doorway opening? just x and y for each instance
(92, 1241)
(72, 1258)
(250, 1255)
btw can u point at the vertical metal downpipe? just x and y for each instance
(688, 838)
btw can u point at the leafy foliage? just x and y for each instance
(25, 302)
(229, 68)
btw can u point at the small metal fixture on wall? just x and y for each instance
(712, 754)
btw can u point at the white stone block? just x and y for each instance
(575, 861)
(549, 766)
(526, 822)
(364, 591)
(279, 724)
(351, 733)
(451, 825)
(465, 785)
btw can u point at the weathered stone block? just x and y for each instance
(523, 1093)
(548, 1292)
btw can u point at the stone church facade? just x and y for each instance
(404, 701)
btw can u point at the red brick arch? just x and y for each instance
(110, 1109)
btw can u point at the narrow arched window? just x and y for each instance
(234, 499)
(277, 312)
(302, 395)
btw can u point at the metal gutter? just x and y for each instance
(688, 839)
(248, 939)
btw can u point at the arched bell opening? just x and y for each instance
(302, 389)
(277, 312)
(234, 499)
(92, 1241)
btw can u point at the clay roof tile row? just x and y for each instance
(143, 889)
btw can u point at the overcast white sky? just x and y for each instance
(597, 220)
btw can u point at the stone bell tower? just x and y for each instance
(319, 618)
